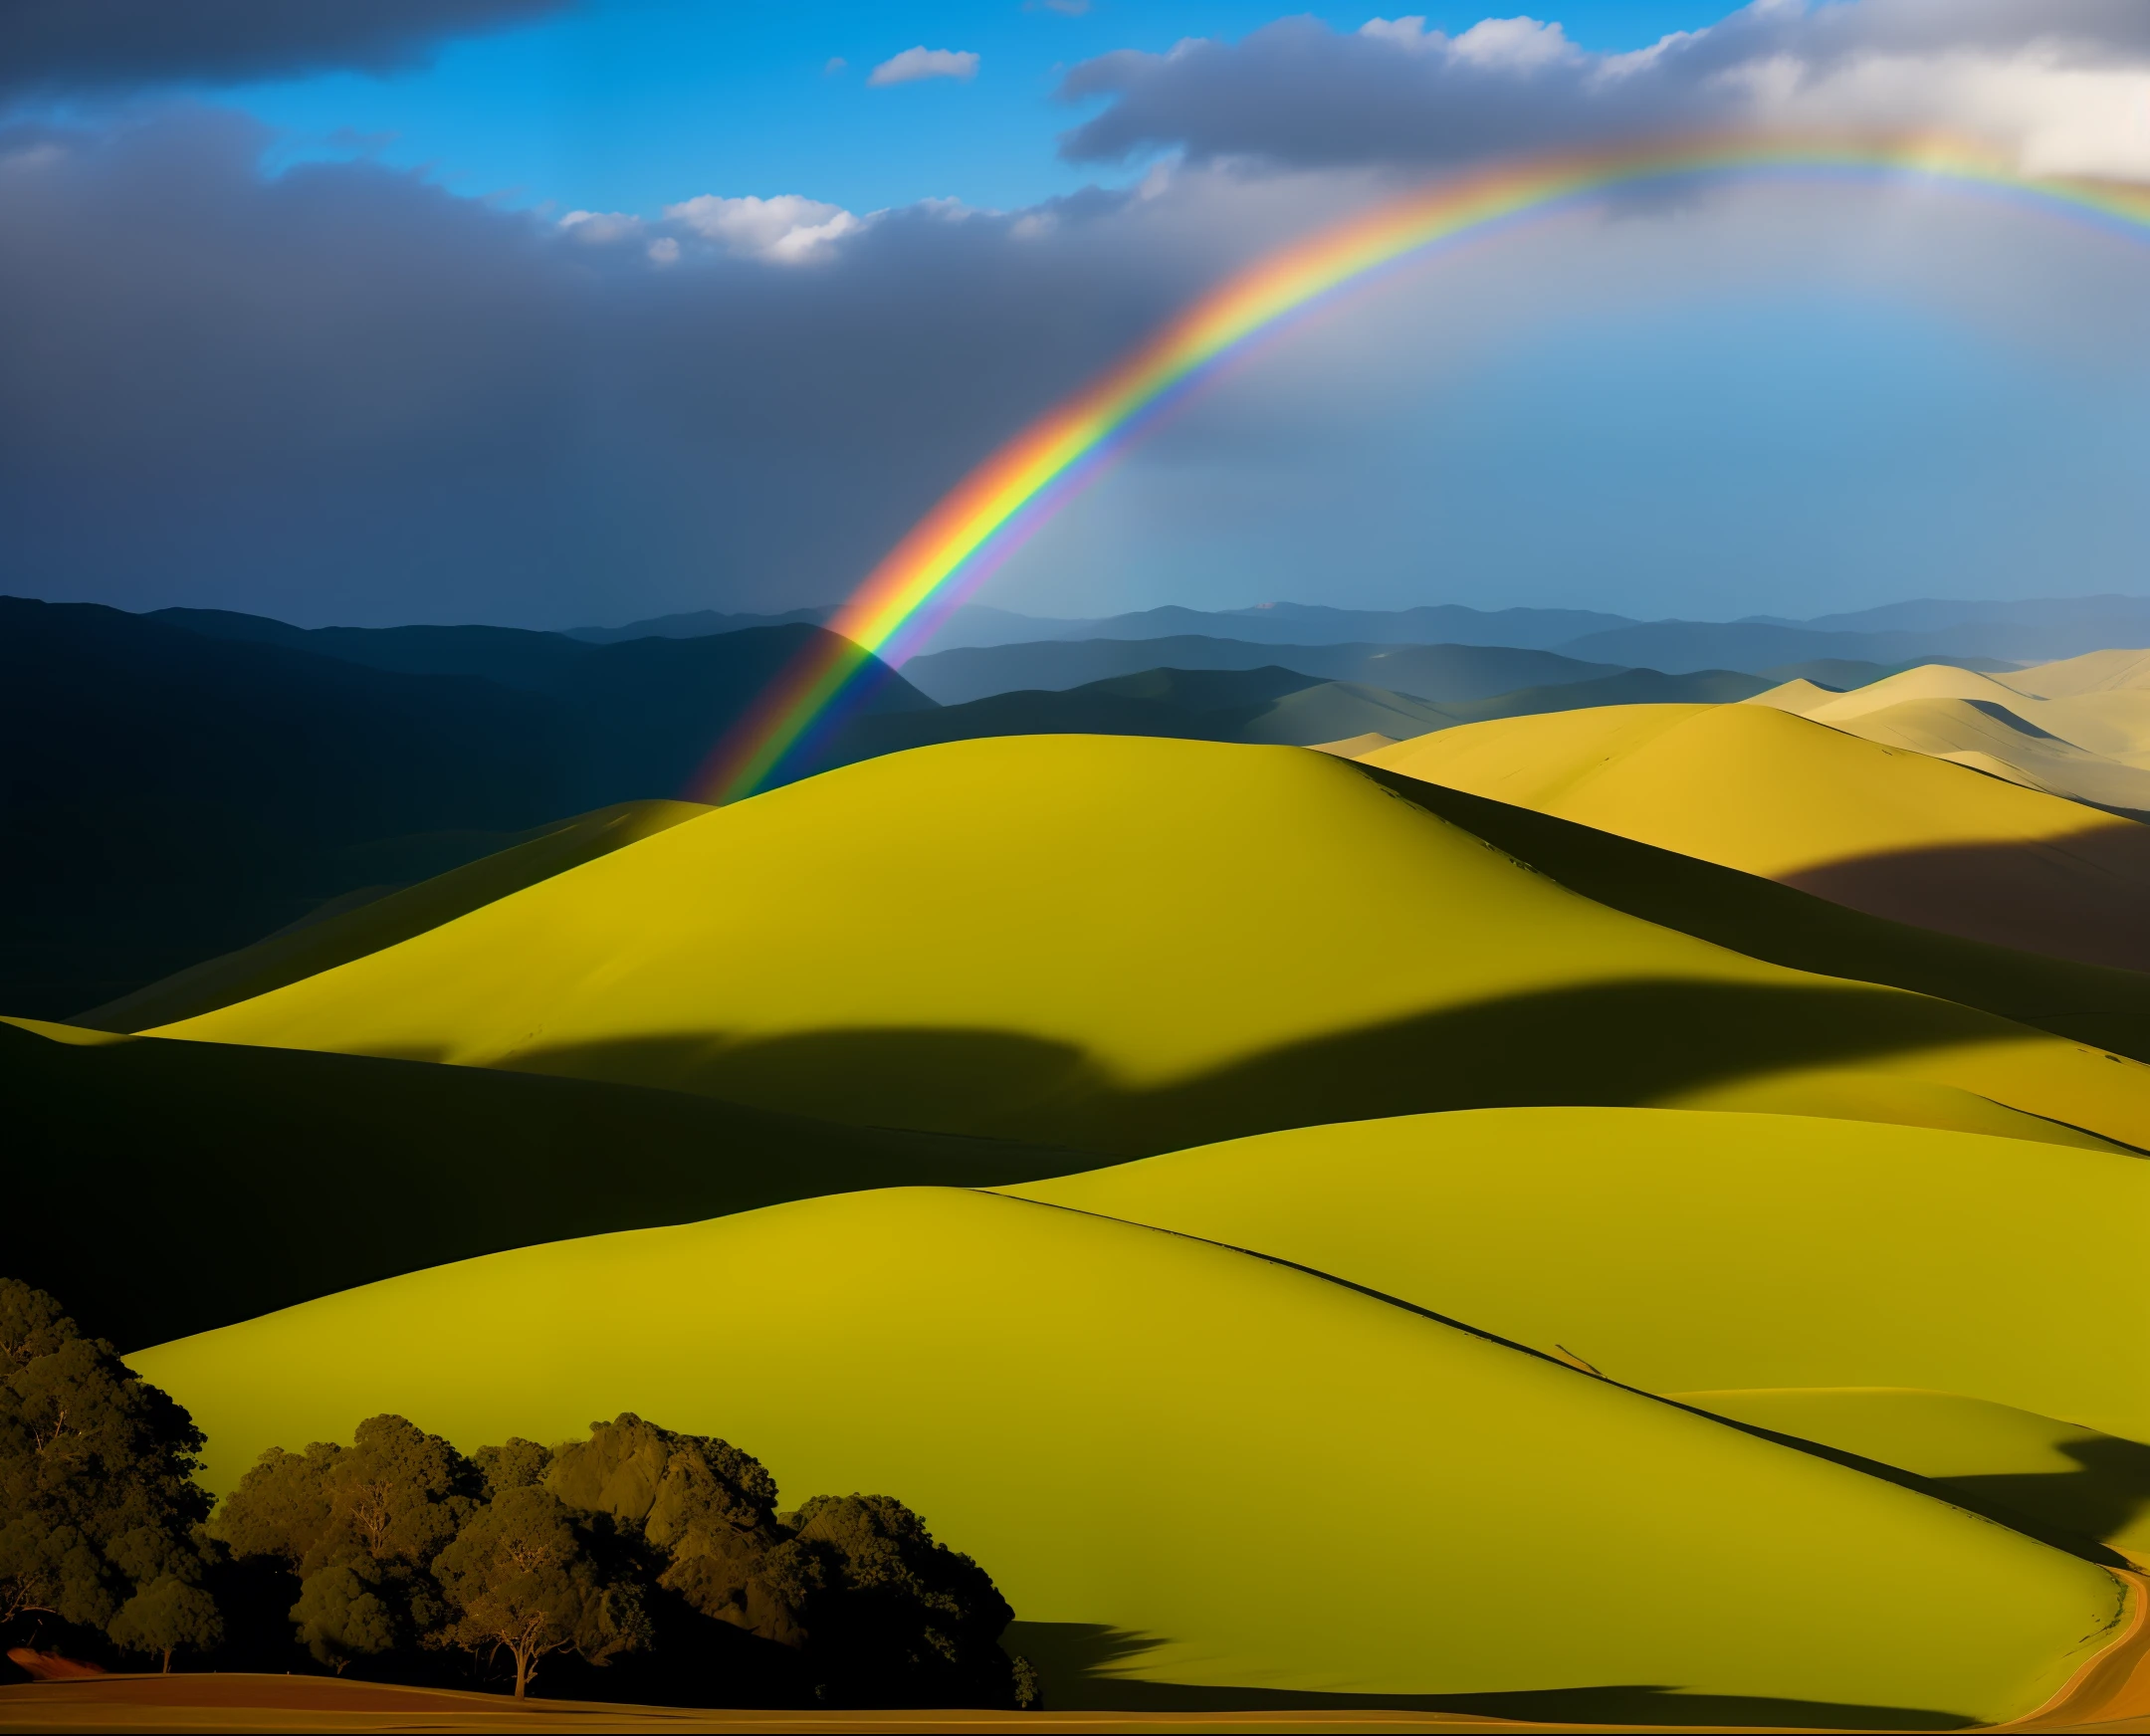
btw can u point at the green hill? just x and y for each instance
(1214, 1470)
(167, 1188)
(1134, 946)
(1962, 1269)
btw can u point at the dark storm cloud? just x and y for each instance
(342, 392)
(69, 46)
(1298, 92)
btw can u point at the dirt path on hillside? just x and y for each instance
(2112, 1691)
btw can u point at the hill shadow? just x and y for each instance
(1766, 918)
(1083, 1668)
(316, 1173)
(2106, 1491)
(2030, 896)
(1633, 1042)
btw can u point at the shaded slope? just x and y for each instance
(1134, 945)
(1765, 919)
(327, 939)
(1101, 1412)
(1896, 834)
(253, 1179)
(170, 797)
(1833, 1254)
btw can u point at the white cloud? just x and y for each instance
(664, 251)
(925, 63)
(2062, 86)
(786, 230)
(602, 228)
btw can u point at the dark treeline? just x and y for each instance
(639, 1564)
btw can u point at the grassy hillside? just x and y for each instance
(354, 928)
(172, 797)
(1135, 946)
(1166, 1444)
(2107, 1009)
(1962, 1268)
(168, 1188)
(1894, 833)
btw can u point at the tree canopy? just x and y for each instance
(98, 1508)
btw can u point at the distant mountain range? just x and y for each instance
(1974, 636)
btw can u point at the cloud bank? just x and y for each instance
(2064, 85)
(63, 47)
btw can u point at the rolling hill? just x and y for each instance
(1954, 714)
(1898, 834)
(255, 1179)
(1131, 946)
(1150, 1437)
(1594, 1231)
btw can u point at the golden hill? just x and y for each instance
(1247, 1476)
(1899, 834)
(2085, 748)
(2093, 672)
(1129, 945)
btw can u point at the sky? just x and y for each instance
(563, 311)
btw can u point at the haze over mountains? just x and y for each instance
(2031, 631)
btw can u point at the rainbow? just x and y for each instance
(1003, 503)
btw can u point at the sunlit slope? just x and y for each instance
(329, 941)
(1275, 1480)
(2093, 672)
(1131, 945)
(162, 1187)
(1679, 1251)
(2085, 748)
(2058, 1474)
(1900, 834)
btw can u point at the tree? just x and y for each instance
(98, 1508)
(165, 1615)
(520, 1580)
(901, 1620)
(707, 1508)
(359, 1526)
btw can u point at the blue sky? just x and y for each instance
(321, 345)
(633, 104)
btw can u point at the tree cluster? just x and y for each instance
(658, 1558)
(100, 1520)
